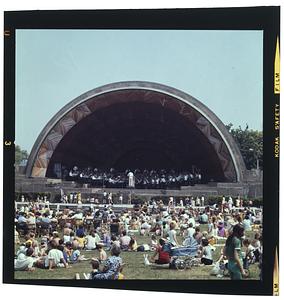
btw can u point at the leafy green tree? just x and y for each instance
(20, 154)
(250, 143)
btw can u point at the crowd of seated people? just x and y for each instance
(146, 179)
(55, 239)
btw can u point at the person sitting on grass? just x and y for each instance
(36, 248)
(257, 245)
(28, 241)
(55, 258)
(206, 253)
(76, 256)
(81, 240)
(112, 267)
(248, 253)
(247, 223)
(43, 249)
(44, 239)
(198, 235)
(30, 237)
(96, 271)
(132, 244)
(28, 245)
(214, 229)
(114, 240)
(124, 241)
(95, 268)
(67, 251)
(102, 253)
(55, 237)
(92, 239)
(221, 230)
(189, 232)
(106, 238)
(80, 231)
(160, 256)
(145, 228)
(66, 233)
(72, 236)
(25, 262)
(75, 243)
(22, 249)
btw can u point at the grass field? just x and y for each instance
(135, 269)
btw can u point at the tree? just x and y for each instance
(250, 143)
(20, 155)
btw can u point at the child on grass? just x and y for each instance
(102, 253)
(95, 268)
(76, 256)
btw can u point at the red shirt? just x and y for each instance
(164, 257)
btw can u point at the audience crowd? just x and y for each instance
(49, 239)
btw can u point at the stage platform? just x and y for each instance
(56, 186)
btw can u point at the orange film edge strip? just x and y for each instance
(276, 275)
(277, 69)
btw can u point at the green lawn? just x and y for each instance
(134, 268)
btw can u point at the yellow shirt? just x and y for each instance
(81, 241)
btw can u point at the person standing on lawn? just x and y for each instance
(172, 234)
(233, 252)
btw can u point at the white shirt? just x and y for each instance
(171, 235)
(207, 252)
(55, 255)
(124, 240)
(190, 231)
(92, 241)
(66, 238)
(78, 216)
(197, 201)
(192, 221)
(23, 262)
(145, 226)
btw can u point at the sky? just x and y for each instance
(222, 69)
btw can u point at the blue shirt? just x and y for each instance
(22, 219)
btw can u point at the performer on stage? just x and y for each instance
(131, 180)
